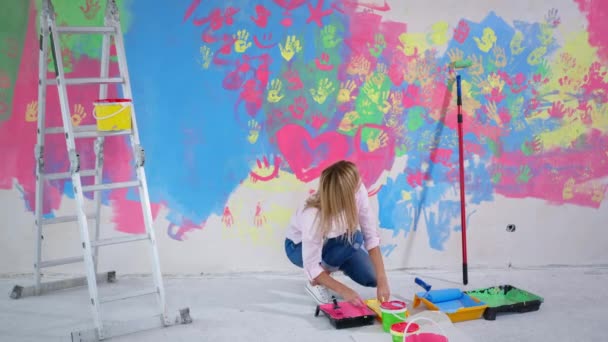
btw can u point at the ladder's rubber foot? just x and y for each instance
(184, 315)
(111, 277)
(16, 293)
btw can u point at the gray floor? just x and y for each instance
(265, 307)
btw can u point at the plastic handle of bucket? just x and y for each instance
(405, 333)
(111, 115)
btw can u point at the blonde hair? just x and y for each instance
(335, 198)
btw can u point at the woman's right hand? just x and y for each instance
(352, 297)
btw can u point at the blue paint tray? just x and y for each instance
(457, 305)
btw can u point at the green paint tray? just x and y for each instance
(506, 298)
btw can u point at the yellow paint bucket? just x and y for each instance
(113, 114)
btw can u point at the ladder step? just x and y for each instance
(87, 131)
(64, 219)
(110, 186)
(85, 29)
(63, 261)
(67, 175)
(86, 80)
(119, 240)
(128, 295)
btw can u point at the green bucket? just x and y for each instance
(393, 312)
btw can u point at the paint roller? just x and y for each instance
(462, 64)
(437, 296)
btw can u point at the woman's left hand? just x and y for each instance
(383, 291)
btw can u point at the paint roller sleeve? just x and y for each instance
(443, 295)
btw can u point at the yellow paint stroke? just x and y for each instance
(413, 44)
(439, 34)
(599, 117)
(563, 136)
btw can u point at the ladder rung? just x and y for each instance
(63, 261)
(119, 240)
(86, 80)
(87, 131)
(63, 219)
(128, 295)
(85, 29)
(90, 131)
(68, 175)
(110, 186)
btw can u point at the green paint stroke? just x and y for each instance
(13, 27)
(524, 174)
(493, 146)
(84, 13)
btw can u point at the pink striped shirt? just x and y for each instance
(302, 229)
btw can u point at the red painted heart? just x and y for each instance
(307, 156)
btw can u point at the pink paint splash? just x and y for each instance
(597, 13)
(18, 149)
(530, 176)
(18, 137)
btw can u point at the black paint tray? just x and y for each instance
(506, 298)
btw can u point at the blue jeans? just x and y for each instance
(339, 254)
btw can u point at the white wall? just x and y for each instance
(546, 234)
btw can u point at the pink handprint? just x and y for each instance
(557, 110)
(227, 218)
(298, 107)
(293, 78)
(259, 218)
(462, 31)
(91, 9)
(317, 120)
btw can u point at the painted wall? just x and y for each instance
(241, 104)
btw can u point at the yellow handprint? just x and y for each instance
(379, 140)
(492, 112)
(455, 55)
(546, 34)
(206, 56)
(324, 88)
(274, 92)
(358, 65)
(536, 56)
(254, 131)
(516, 43)
(598, 193)
(487, 40)
(31, 112)
(346, 89)
(568, 190)
(396, 100)
(500, 58)
(241, 44)
(78, 114)
(381, 68)
(346, 124)
(292, 46)
(477, 66)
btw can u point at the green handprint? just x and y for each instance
(324, 88)
(292, 45)
(524, 174)
(378, 46)
(328, 37)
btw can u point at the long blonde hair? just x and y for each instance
(335, 198)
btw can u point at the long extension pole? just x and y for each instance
(463, 220)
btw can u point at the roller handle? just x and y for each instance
(424, 285)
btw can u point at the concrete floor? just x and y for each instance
(266, 307)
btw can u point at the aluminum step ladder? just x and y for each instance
(49, 37)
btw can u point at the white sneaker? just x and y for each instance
(319, 293)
